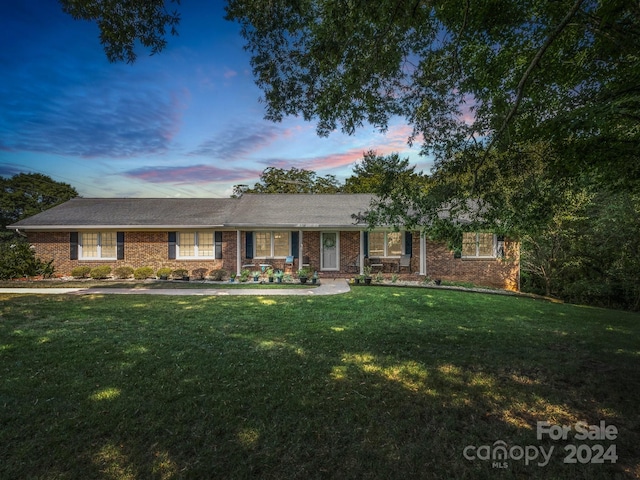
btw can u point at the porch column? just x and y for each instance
(300, 252)
(423, 254)
(362, 252)
(238, 251)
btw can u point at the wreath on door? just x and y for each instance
(329, 242)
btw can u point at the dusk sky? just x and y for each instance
(184, 123)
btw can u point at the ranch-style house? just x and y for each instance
(284, 231)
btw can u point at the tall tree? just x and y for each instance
(294, 180)
(378, 174)
(26, 194)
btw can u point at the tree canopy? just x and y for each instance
(467, 76)
(26, 194)
(294, 180)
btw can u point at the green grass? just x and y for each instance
(378, 383)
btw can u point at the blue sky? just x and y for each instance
(185, 123)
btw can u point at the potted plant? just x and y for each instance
(303, 274)
(314, 279)
(244, 275)
(270, 274)
(278, 275)
(367, 275)
(256, 275)
(232, 277)
(163, 273)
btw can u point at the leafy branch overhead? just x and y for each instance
(123, 24)
(465, 75)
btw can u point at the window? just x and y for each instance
(478, 245)
(195, 244)
(385, 244)
(98, 245)
(272, 244)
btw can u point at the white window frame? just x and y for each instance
(81, 250)
(196, 255)
(386, 245)
(477, 244)
(272, 244)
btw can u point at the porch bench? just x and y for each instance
(376, 263)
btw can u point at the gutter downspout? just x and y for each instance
(22, 234)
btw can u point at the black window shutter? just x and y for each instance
(366, 244)
(248, 244)
(218, 242)
(73, 245)
(295, 244)
(172, 245)
(120, 245)
(408, 243)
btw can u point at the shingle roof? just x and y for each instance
(299, 210)
(131, 212)
(249, 211)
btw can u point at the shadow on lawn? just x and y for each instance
(173, 392)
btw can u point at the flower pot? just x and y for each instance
(270, 279)
(303, 279)
(438, 282)
(314, 281)
(367, 281)
(279, 279)
(356, 281)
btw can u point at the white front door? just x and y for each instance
(329, 260)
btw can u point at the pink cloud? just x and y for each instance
(193, 174)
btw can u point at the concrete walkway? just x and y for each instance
(327, 287)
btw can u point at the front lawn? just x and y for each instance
(377, 383)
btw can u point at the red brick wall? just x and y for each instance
(495, 272)
(141, 249)
(151, 249)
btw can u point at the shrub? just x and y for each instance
(143, 273)
(179, 273)
(101, 272)
(199, 273)
(123, 272)
(81, 272)
(163, 272)
(17, 259)
(218, 275)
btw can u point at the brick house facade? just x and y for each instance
(317, 230)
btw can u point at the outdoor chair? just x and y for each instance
(405, 261)
(288, 262)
